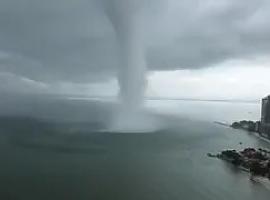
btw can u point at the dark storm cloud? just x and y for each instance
(56, 40)
(207, 32)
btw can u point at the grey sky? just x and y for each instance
(56, 41)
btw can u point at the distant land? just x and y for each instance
(91, 97)
(172, 98)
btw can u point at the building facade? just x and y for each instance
(265, 117)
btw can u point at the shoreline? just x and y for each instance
(254, 161)
(257, 135)
(254, 133)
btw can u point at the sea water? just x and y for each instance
(60, 154)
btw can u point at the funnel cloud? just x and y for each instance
(123, 15)
(44, 44)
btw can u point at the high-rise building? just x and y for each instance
(265, 116)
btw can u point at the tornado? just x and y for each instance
(124, 16)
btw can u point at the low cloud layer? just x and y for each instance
(73, 41)
(232, 80)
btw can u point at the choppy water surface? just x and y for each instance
(50, 158)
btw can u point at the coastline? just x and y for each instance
(261, 180)
(248, 160)
(254, 161)
(261, 137)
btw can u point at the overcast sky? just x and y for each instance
(193, 48)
